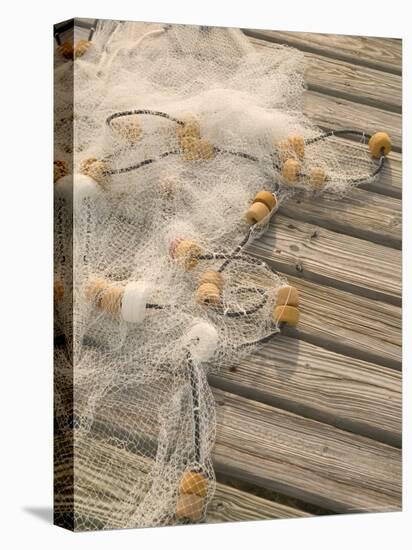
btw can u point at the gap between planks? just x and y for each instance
(377, 53)
(361, 214)
(282, 451)
(348, 324)
(310, 381)
(227, 504)
(381, 53)
(389, 181)
(305, 459)
(331, 112)
(323, 256)
(347, 80)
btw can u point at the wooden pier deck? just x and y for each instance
(311, 424)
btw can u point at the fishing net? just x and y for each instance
(165, 137)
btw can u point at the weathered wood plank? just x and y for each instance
(389, 181)
(348, 324)
(275, 449)
(384, 54)
(363, 86)
(348, 80)
(230, 504)
(341, 261)
(304, 458)
(311, 381)
(361, 214)
(102, 486)
(331, 113)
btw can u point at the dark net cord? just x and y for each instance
(353, 132)
(262, 340)
(236, 250)
(342, 132)
(236, 254)
(225, 311)
(141, 164)
(245, 312)
(161, 114)
(169, 153)
(241, 154)
(164, 115)
(194, 386)
(360, 179)
(221, 309)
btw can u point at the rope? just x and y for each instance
(240, 154)
(261, 340)
(193, 380)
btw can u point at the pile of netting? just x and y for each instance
(182, 143)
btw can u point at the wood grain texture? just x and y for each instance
(331, 113)
(373, 88)
(103, 486)
(348, 80)
(304, 458)
(389, 181)
(266, 446)
(112, 488)
(361, 214)
(230, 504)
(348, 324)
(383, 54)
(342, 261)
(314, 382)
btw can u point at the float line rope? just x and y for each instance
(241, 154)
(195, 399)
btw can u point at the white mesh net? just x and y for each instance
(162, 293)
